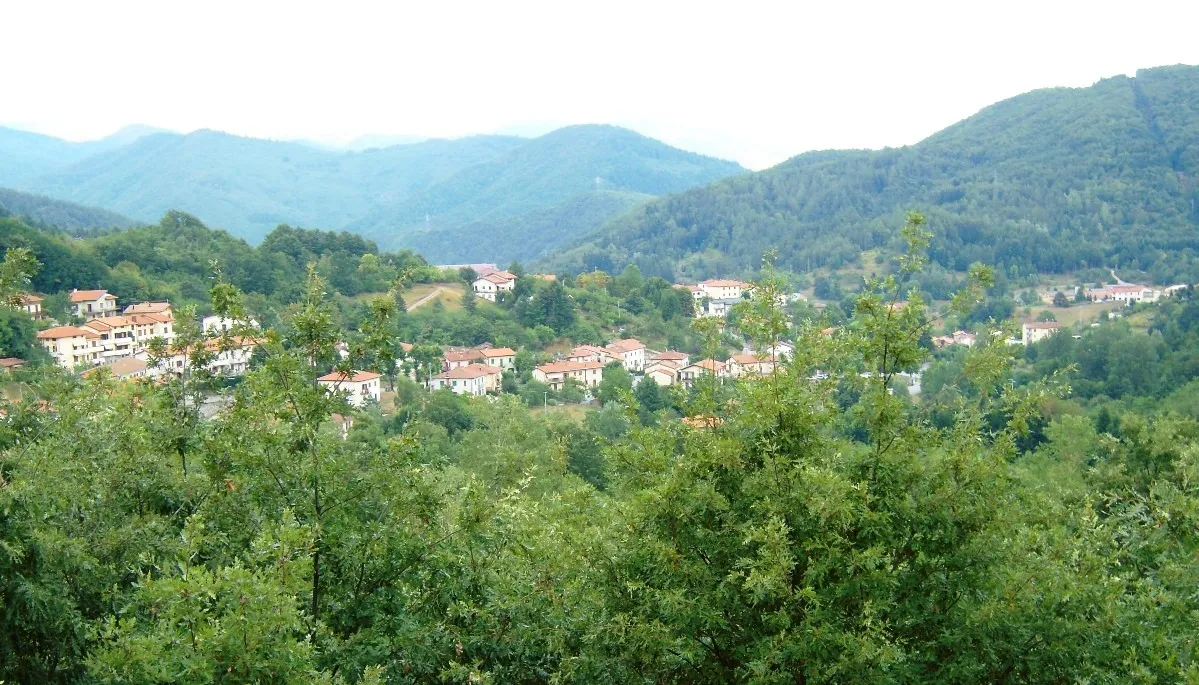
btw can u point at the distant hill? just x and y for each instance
(465, 190)
(532, 180)
(248, 186)
(1049, 181)
(524, 237)
(67, 216)
(25, 156)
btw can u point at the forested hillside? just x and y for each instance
(1049, 181)
(523, 237)
(560, 167)
(807, 524)
(248, 186)
(66, 216)
(174, 259)
(455, 192)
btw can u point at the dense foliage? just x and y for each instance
(73, 218)
(804, 527)
(1047, 182)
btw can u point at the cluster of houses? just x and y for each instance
(957, 338)
(119, 339)
(714, 297)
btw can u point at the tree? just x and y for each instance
(615, 383)
(650, 400)
(1060, 299)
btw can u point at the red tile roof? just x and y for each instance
(90, 295)
(470, 371)
(65, 332)
(499, 352)
(358, 377)
(566, 367)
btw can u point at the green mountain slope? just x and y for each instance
(526, 236)
(1050, 181)
(249, 186)
(536, 177)
(25, 155)
(67, 216)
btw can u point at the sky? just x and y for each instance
(758, 82)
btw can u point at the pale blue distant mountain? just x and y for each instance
(468, 188)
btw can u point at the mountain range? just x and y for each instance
(444, 195)
(1054, 180)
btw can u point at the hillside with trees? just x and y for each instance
(564, 166)
(1047, 182)
(808, 524)
(66, 216)
(465, 188)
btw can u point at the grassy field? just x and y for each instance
(576, 412)
(1078, 313)
(449, 294)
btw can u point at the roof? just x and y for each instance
(628, 345)
(358, 377)
(64, 332)
(11, 363)
(464, 355)
(470, 371)
(126, 366)
(148, 308)
(1042, 325)
(128, 320)
(34, 299)
(662, 364)
(498, 277)
(751, 359)
(407, 347)
(565, 367)
(669, 355)
(710, 364)
(723, 283)
(499, 352)
(90, 295)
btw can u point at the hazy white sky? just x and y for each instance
(753, 81)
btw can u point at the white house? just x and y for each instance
(126, 335)
(473, 379)
(489, 286)
(503, 358)
(555, 374)
(679, 359)
(71, 346)
(591, 353)
(453, 359)
(721, 289)
(740, 365)
(223, 324)
(234, 360)
(360, 388)
(663, 371)
(89, 304)
(1127, 293)
(631, 353)
(149, 308)
(32, 305)
(711, 367)
(1033, 332)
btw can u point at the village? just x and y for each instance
(119, 340)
